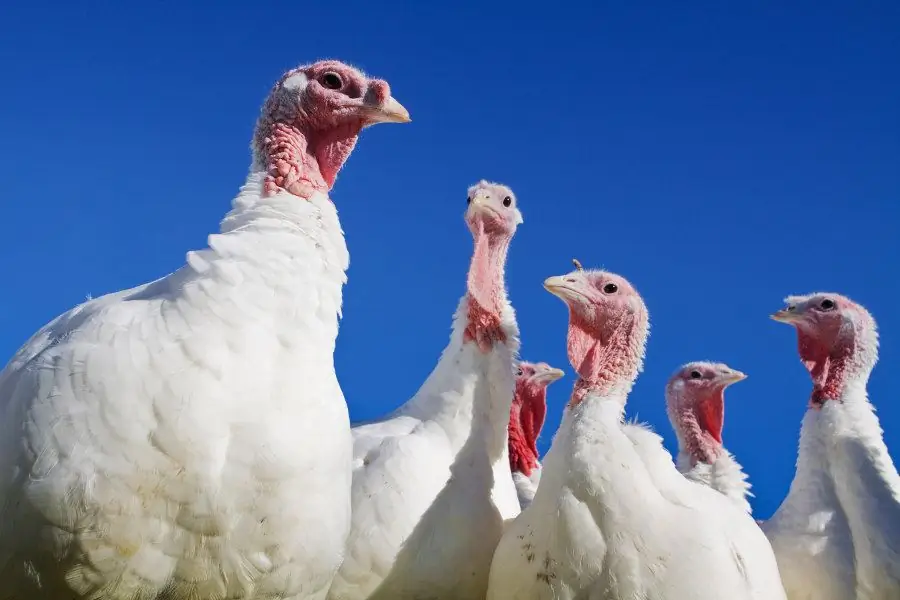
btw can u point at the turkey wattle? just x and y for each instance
(526, 419)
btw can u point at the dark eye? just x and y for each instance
(332, 81)
(469, 200)
(519, 373)
(696, 375)
(827, 304)
(610, 288)
(507, 201)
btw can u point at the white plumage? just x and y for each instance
(527, 485)
(431, 482)
(187, 438)
(724, 475)
(837, 534)
(809, 532)
(612, 517)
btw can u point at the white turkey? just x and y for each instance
(837, 534)
(695, 402)
(187, 438)
(432, 485)
(599, 527)
(526, 419)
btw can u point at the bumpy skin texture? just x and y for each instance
(188, 438)
(431, 482)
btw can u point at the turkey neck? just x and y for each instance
(485, 287)
(279, 259)
(698, 426)
(865, 476)
(596, 458)
(527, 411)
(469, 393)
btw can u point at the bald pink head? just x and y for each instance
(529, 409)
(608, 328)
(310, 123)
(695, 399)
(492, 216)
(837, 341)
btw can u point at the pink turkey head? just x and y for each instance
(492, 210)
(311, 120)
(529, 409)
(492, 216)
(608, 328)
(837, 341)
(695, 399)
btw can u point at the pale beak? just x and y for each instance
(479, 205)
(562, 289)
(549, 376)
(389, 112)
(785, 316)
(732, 377)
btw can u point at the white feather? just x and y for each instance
(432, 485)
(187, 438)
(526, 485)
(809, 531)
(613, 518)
(725, 475)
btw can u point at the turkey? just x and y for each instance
(187, 438)
(695, 401)
(432, 485)
(598, 526)
(529, 409)
(837, 534)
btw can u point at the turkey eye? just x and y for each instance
(827, 304)
(469, 200)
(332, 81)
(519, 373)
(507, 201)
(610, 288)
(696, 375)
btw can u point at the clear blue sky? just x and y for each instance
(720, 156)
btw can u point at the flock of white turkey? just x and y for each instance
(188, 438)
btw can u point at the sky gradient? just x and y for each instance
(719, 157)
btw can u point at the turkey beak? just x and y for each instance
(564, 290)
(732, 377)
(390, 111)
(480, 205)
(549, 376)
(786, 316)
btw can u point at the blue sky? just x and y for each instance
(720, 157)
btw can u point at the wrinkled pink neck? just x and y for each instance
(699, 424)
(606, 361)
(829, 368)
(526, 419)
(300, 165)
(486, 292)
